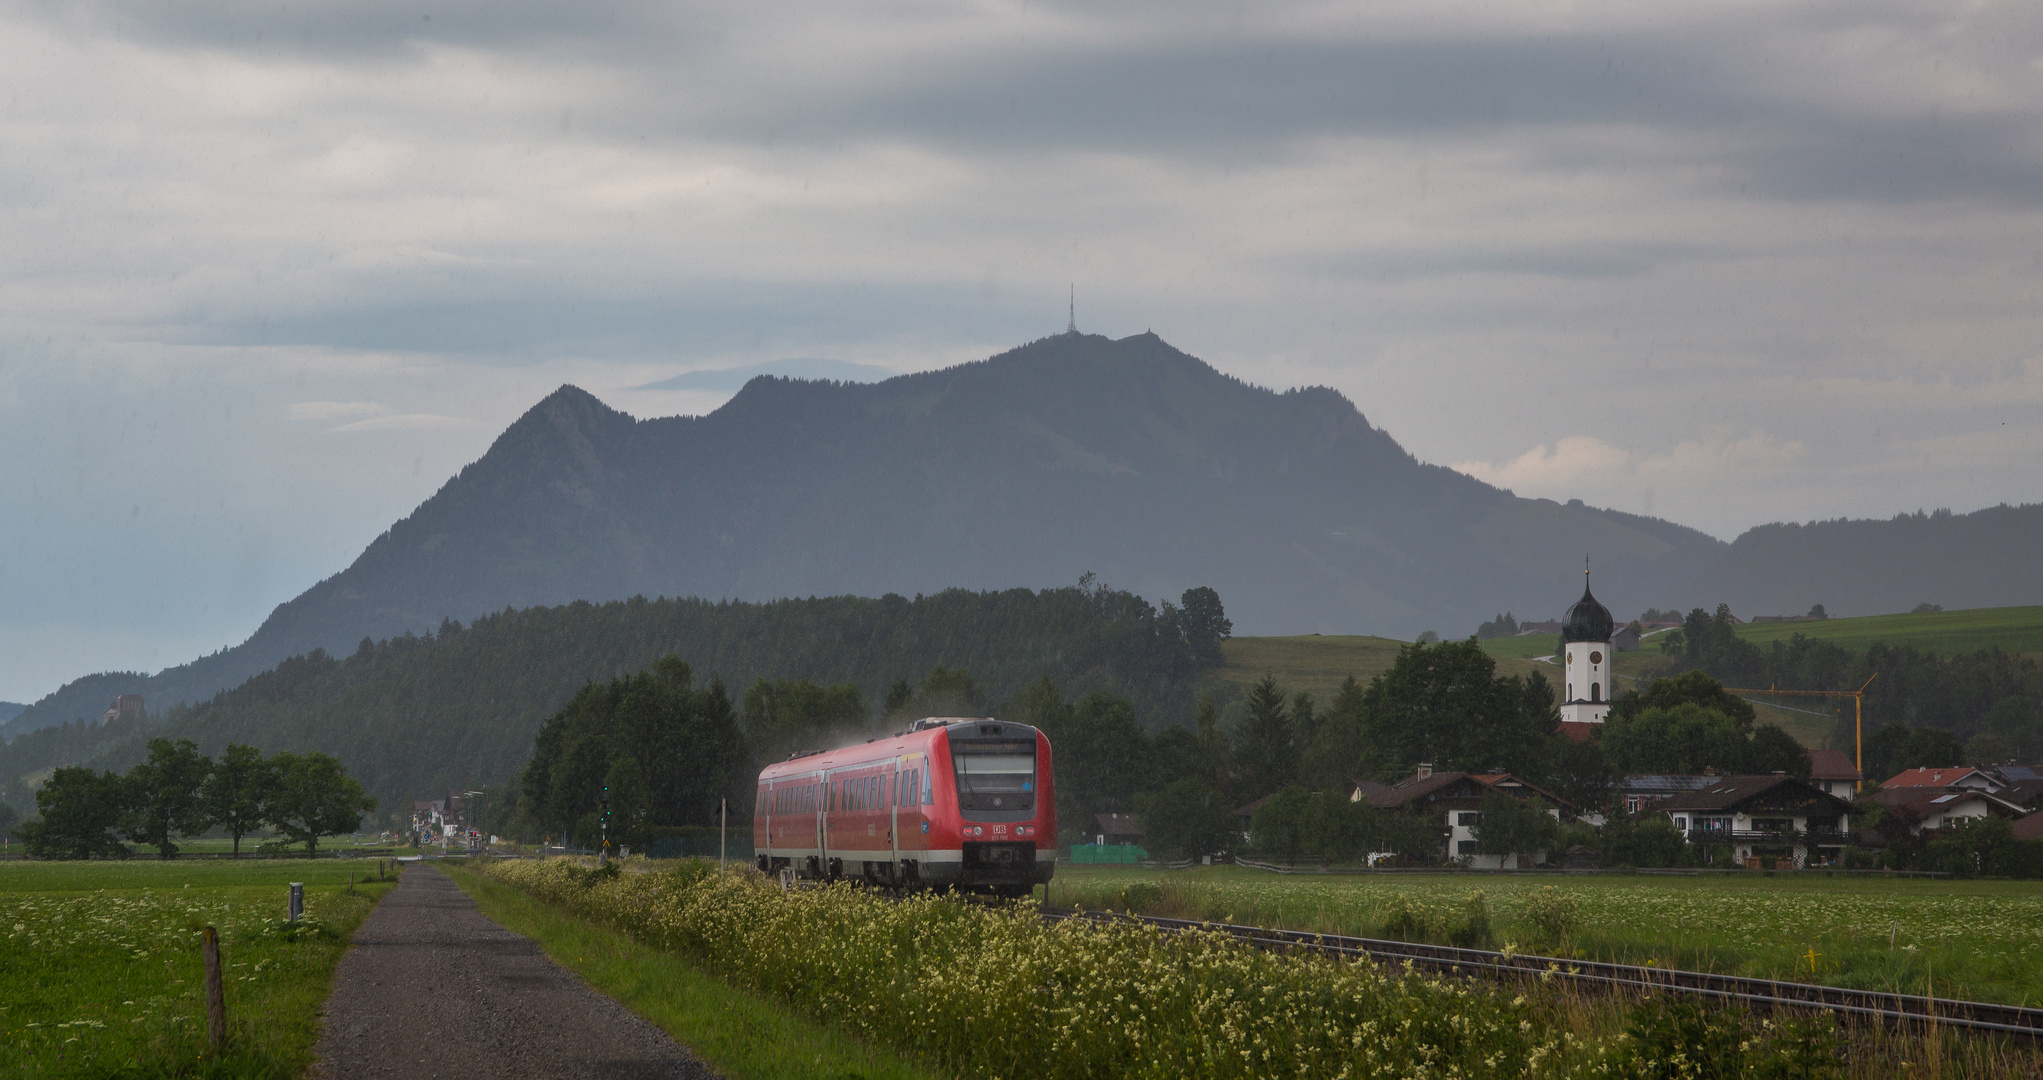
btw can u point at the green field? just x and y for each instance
(2015, 629)
(101, 973)
(1978, 940)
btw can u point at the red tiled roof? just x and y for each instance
(1929, 800)
(1930, 777)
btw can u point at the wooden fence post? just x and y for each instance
(216, 994)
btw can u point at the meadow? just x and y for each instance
(1977, 940)
(101, 973)
(2013, 629)
(983, 991)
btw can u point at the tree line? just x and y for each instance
(177, 792)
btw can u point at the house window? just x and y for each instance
(1681, 823)
(1634, 803)
(1595, 691)
(1465, 847)
(1468, 817)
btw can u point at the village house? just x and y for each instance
(1937, 808)
(1642, 792)
(1975, 779)
(1455, 799)
(1833, 771)
(438, 817)
(1118, 828)
(2024, 785)
(1758, 817)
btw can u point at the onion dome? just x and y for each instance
(1588, 620)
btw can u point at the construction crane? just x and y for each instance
(1858, 705)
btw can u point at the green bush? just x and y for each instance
(1550, 918)
(1683, 1040)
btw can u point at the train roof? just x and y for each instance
(916, 738)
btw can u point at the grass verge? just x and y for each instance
(100, 971)
(742, 1036)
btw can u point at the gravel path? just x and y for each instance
(433, 988)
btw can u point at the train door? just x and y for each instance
(894, 821)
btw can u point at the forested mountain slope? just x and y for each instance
(1071, 454)
(420, 714)
(1978, 560)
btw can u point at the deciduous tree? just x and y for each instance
(316, 798)
(239, 790)
(166, 796)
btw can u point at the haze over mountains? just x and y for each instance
(1073, 454)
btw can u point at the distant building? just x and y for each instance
(1586, 659)
(1525, 628)
(1833, 771)
(1642, 792)
(1455, 800)
(1937, 808)
(1975, 779)
(125, 707)
(1756, 817)
(1118, 828)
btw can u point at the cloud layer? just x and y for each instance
(274, 273)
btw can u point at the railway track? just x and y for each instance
(1894, 1010)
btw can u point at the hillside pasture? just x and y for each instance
(101, 973)
(1317, 664)
(2013, 629)
(1976, 940)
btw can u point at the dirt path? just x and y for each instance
(433, 988)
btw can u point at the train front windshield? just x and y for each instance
(995, 775)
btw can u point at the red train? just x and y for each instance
(953, 802)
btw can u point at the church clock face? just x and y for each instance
(1596, 658)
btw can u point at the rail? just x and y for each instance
(1896, 1010)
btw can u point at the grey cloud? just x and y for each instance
(1215, 97)
(1575, 261)
(526, 324)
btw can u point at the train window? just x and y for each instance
(995, 774)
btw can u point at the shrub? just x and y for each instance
(1681, 1040)
(1472, 930)
(1550, 918)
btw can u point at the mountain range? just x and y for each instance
(1074, 454)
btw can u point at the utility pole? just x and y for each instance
(603, 854)
(723, 834)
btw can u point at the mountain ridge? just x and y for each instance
(1068, 455)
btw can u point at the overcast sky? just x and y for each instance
(269, 277)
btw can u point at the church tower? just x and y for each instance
(1586, 659)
